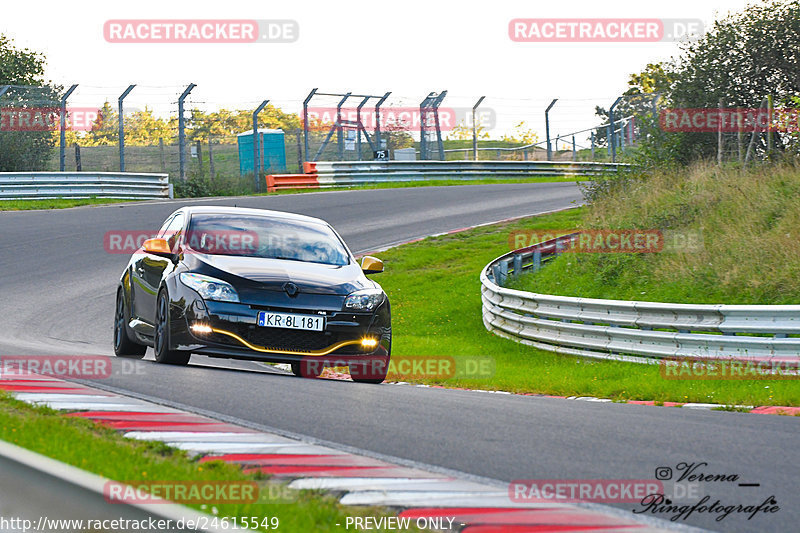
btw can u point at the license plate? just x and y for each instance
(291, 321)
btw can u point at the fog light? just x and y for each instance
(201, 328)
(369, 343)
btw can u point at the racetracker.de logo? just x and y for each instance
(189, 31)
(192, 492)
(603, 30)
(230, 242)
(398, 117)
(592, 240)
(47, 118)
(591, 490)
(729, 119)
(58, 366)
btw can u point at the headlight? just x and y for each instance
(364, 300)
(210, 288)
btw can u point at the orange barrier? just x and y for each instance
(277, 182)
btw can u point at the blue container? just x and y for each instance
(272, 149)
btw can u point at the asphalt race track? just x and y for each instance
(57, 288)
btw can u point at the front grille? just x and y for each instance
(284, 339)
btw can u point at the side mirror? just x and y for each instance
(371, 265)
(157, 247)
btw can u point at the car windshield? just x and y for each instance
(265, 237)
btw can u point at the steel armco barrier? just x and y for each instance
(641, 332)
(347, 173)
(45, 185)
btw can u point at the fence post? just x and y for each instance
(592, 138)
(63, 126)
(475, 128)
(122, 128)
(3, 90)
(299, 154)
(256, 146)
(200, 156)
(78, 166)
(612, 129)
(547, 128)
(163, 154)
(378, 141)
(305, 121)
(719, 135)
(574, 153)
(182, 132)
(770, 115)
(211, 171)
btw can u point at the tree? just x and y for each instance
(24, 149)
(522, 134)
(462, 132)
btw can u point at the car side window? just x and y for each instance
(173, 232)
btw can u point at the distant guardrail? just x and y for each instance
(347, 173)
(46, 185)
(634, 331)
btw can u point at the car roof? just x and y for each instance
(224, 210)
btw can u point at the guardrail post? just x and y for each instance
(537, 260)
(517, 265)
(475, 128)
(613, 132)
(182, 131)
(547, 128)
(122, 128)
(62, 147)
(305, 122)
(256, 146)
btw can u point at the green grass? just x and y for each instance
(89, 446)
(747, 229)
(56, 203)
(436, 311)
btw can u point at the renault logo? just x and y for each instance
(291, 289)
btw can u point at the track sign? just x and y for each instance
(380, 155)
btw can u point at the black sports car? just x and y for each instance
(253, 284)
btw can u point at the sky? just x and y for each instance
(410, 48)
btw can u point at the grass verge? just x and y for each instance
(94, 448)
(436, 310)
(55, 203)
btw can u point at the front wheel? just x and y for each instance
(123, 345)
(161, 340)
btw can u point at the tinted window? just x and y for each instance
(173, 231)
(266, 237)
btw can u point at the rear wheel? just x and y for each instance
(161, 340)
(123, 345)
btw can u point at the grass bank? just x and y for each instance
(436, 311)
(742, 244)
(89, 446)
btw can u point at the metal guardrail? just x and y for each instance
(45, 185)
(634, 331)
(344, 173)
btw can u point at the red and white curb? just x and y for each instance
(358, 480)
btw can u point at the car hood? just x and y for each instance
(273, 274)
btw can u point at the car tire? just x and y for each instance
(161, 336)
(361, 374)
(306, 371)
(123, 345)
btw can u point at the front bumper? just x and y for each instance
(231, 330)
